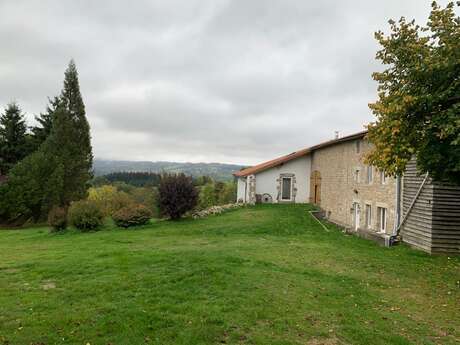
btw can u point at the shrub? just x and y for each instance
(217, 193)
(132, 215)
(109, 199)
(85, 215)
(207, 197)
(57, 218)
(176, 195)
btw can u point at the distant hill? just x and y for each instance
(218, 171)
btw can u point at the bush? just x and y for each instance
(57, 218)
(85, 215)
(109, 199)
(217, 193)
(207, 197)
(132, 216)
(176, 195)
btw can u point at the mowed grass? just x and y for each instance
(259, 275)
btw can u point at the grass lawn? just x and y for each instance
(259, 275)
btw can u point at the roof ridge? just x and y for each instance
(296, 154)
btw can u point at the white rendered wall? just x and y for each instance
(301, 167)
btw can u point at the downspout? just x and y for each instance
(393, 237)
(245, 188)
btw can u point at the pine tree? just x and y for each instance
(45, 122)
(13, 137)
(70, 141)
(59, 171)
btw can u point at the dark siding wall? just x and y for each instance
(446, 219)
(416, 229)
(433, 223)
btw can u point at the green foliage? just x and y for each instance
(45, 123)
(228, 193)
(176, 195)
(109, 199)
(58, 172)
(137, 179)
(33, 187)
(217, 193)
(207, 197)
(132, 215)
(85, 215)
(418, 110)
(57, 218)
(69, 141)
(14, 145)
(147, 197)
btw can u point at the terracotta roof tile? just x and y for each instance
(283, 159)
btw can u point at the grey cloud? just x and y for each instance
(218, 80)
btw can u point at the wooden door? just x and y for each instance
(315, 187)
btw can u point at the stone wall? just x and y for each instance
(337, 165)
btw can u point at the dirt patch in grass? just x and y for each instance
(48, 286)
(324, 341)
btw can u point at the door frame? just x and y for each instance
(290, 187)
(356, 215)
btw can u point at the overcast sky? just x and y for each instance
(201, 81)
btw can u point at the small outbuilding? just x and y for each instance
(282, 180)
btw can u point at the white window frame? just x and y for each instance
(369, 174)
(383, 177)
(356, 175)
(382, 218)
(282, 186)
(369, 216)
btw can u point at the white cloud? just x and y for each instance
(231, 81)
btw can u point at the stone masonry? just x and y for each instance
(344, 181)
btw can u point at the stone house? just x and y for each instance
(352, 194)
(359, 197)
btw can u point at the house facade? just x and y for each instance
(283, 180)
(351, 193)
(359, 197)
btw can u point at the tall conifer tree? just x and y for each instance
(59, 171)
(45, 122)
(13, 137)
(70, 141)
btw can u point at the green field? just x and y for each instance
(257, 275)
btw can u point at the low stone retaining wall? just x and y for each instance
(215, 210)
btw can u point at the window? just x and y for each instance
(368, 216)
(382, 219)
(286, 189)
(358, 146)
(369, 174)
(356, 175)
(383, 177)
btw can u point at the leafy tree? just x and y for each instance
(176, 195)
(109, 199)
(228, 194)
(32, 188)
(418, 110)
(13, 137)
(45, 123)
(207, 196)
